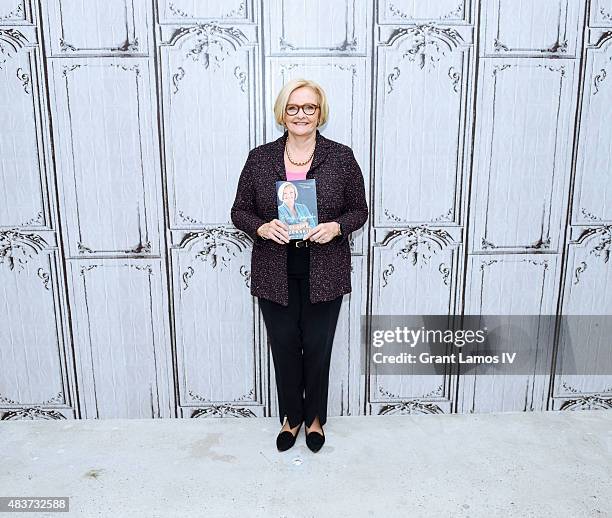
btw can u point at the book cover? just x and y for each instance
(297, 206)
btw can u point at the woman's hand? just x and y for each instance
(275, 230)
(323, 232)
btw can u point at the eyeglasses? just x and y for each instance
(308, 109)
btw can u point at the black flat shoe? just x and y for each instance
(314, 441)
(286, 439)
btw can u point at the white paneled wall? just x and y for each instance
(482, 129)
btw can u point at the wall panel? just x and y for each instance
(112, 27)
(23, 174)
(217, 351)
(105, 156)
(543, 28)
(119, 337)
(586, 293)
(593, 190)
(513, 285)
(335, 28)
(33, 371)
(423, 74)
(210, 107)
(522, 177)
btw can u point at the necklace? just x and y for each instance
(298, 163)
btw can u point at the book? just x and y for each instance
(297, 206)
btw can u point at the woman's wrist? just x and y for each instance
(258, 231)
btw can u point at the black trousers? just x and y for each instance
(301, 337)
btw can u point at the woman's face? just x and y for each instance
(302, 124)
(288, 195)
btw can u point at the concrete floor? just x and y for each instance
(514, 464)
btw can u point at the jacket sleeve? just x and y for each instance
(356, 208)
(243, 212)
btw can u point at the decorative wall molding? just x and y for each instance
(605, 14)
(447, 216)
(557, 47)
(57, 399)
(601, 15)
(222, 410)
(488, 262)
(215, 246)
(392, 12)
(11, 41)
(17, 247)
(412, 406)
(42, 274)
(539, 244)
(197, 397)
(598, 79)
(213, 41)
(600, 240)
(37, 220)
(420, 243)
(418, 405)
(456, 14)
(604, 40)
(586, 401)
(127, 46)
(210, 236)
(24, 77)
(16, 13)
(241, 12)
(426, 45)
(345, 46)
(30, 414)
(140, 248)
(211, 45)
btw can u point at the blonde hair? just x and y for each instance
(283, 98)
(281, 190)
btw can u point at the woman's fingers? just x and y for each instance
(278, 232)
(321, 233)
(280, 235)
(281, 228)
(317, 233)
(282, 238)
(274, 230)
(275, 236)
(312, 231)
(280, 223)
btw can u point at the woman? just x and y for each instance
(296, 215)
(300, 283)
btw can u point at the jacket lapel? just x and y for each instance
(320, 154)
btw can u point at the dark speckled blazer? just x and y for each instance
(340, 197)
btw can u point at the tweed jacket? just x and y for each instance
(340, 197)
